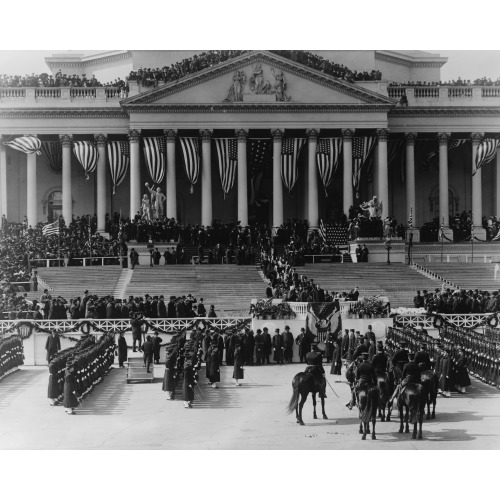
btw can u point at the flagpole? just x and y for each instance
(90, 243)
(442, 238)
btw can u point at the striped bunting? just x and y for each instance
(154, 154)
(327, 159)
(86, 153)
(191, 152)
(28, 145)
(52, 150)
(259, 153)
(290, 151)
(50, 229)
(485, 152)
(361, 149)
(452, 144)
(322, 231)
(119, 161)
(227, 153)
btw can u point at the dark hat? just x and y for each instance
(364, 355)
(287, 327)
(259, 330)
(411, 355)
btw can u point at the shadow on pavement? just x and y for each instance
(16, 383)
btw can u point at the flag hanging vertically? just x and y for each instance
(259, 152)
(52, 228)
(322, 230)
(290, 151)
(227, 154)
(410, 219)
(191, 152)
(485, 152)
(361, 149)
(154, 154)
(327, 159)
(119, 161)
(28, 145)
(86, 153)
(52, 150)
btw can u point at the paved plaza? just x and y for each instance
(117, 415)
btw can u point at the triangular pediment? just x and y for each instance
(256, 78)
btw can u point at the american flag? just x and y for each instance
(485, 152)
(28, 145)
(259, 153)
(119, 161)
(154, 154)
(361, 149)
(452, 144)
(52, 228)
(227, 154)
(86, 153)
(322, 230)
(53, 151)
(290, 151)
(191, 152)
(327, 159)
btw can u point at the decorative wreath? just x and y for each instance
(438, 321)
(492, 321)
(85, 327)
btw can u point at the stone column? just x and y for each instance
(375, 171)
(3, 179)
(242, 135)
(383, 172)
(67, 196)
(277, 182)
(444, 211)
(206, 177)
(477, 193)
(102, 188)
(135, 173)
(497, 185)
(171, 189)
(410, 187)
(31, 191)
(312, 178)
(347, 134)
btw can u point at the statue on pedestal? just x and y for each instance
(157, 200)
(373, 207)
(280, 86)
(257, 83)
(236, 91)
(146, 207)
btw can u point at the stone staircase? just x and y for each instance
(122, 283)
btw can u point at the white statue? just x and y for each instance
(146, 207)
(373, 207)
(157, 199)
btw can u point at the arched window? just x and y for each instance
(54, 205)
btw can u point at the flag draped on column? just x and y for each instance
(452, 144)
(485, 152)
(227, 154)
(290, 151)
(154, 154)
(86, 153)
(327, 159)
(259, 152)
(119, 161)
(361, 149)
(28, 145)
(52, 150)
(191, 152)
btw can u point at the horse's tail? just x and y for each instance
(383, 386)
(368, 404)
(429, 383)
(295, 396)
(414, 395)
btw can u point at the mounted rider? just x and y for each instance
(380, 361)
(365, 377)
(423, 359)
(411, 375)
(314, 360)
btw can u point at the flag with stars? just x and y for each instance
(154, 154)
(191, 151)
(290, 152)
(327, 159)
(361, 149)
(119, 161)
(227, 154)
(485, 152)
(259, 153)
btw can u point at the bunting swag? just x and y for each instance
(52, 150)
(154, 154)
(290, 151)
(86, 153)
(227, 153)
(327, 159)
(485, 152)
(361, 149)
(259, 152)
(119, 161)
(28, 145)
(191, 152)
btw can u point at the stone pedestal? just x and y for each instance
(415, 232)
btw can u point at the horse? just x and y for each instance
(413, 399)
(430, 382)
(368, 402)
(303, 384)
(386, 388)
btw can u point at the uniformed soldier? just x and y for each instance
(422, 358)
(380, 360)
(314, 360)
(362, 347)
(278, 346)
(400, 357)
(365, 376)
(260, 347)
(411, 375)
(170, 377)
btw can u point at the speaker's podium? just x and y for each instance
(136, 371)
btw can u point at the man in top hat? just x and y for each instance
(260, 347)
(422, 358)
(288, 344)
(304, 343)
(411, 375)
(122, 348)
(156, 348)
(314, 360)
(278, 346)
(268, 344)
(52, 345)
(365, 376)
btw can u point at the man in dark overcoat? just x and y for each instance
(213, 369)
(278, 346)
(288, 344)
(260, 347)
(268, 344)
(122, 349)
(170, 376)
(136, 326)
(248, 347)
(52, 345)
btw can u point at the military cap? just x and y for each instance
(364, 355)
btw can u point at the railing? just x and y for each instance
(300, 308)
(459, 92)
(63, 93)
(426, 92)
(101, 261)
(490, 91)
(465, 320)
(82, 92)
(47, 93)
(396, 92)
(12, 93)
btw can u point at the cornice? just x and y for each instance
(404, 60)
(459, 112)
(282, 63)
(62, 113)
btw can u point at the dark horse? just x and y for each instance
(430, 383)
(386, 388)
(412, 399)
(303, 384)
(368, 402)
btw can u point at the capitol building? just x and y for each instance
(260, 136)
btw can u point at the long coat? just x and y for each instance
(288, 344)
(170, 376)
(278, 348)
(70, 399)
(444, 382)
(53, 388)
(213, 370)
(122, 349)
(238, 372)
(461, 376)
(336, 362)
(188, 382)
(53, 346)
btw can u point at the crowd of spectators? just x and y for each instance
(478, 82)
(152, 77)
